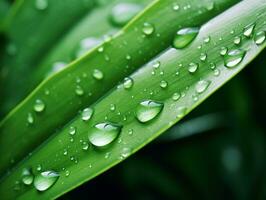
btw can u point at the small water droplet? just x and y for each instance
(30, 118)
(41, 4)
(163, 84)
(65, 152)
(130, 131)
(100, 49)
(248, 30)
(27, 176)
(39, 167)
(223, 51)
(202, 86)
(207, 39)
(72, 130)
(181, 111)
(176, 7)
(156, 64)
(86, 114)
(67, 173)
(184, 37)
(176, 96)
(216, 72)
(193, 67)
(39, 105)
(128, 83)
(85, 146)
(234, 57)
(112, 107)
(126, 151)
(237, 40)
(97, 74)
(203, 57)
(260, 37)
(45, 180)
(148, 110)
(122, 13)
(104, 134)
(79, 91)
(147, 28)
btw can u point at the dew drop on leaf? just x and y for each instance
(86, 114)
(202, 86)
(79, 90)
(176, 96)
(30, 118)
(45, 180)
(128, 83)
(248, 30)
(260, 37)
(122, 13)
(203, 57)
(72, 130)
(156, 64)
(181, 111)
(223, 51)
(97, 74)
(148, 110)
(147, 28)
(237, 40)
(27, 176)
(193, 67)
(39, 105)
(163, 84)
(234, 57)
(104, 134)
(176, 7)
(41, 4)
(184, 37)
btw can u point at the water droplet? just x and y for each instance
(112, 107)
(79, 91)
(85, 146)
(237, 40)
(210, 5)
(122, 13)
(128, 83)
(147, 28)
(41, 4)
(130, 131)
(65, 152)
(223, 51)
(45, 180)
(97, 74)
(86, 114)
(181, 111)
(234, 57)
(216, 72)
(156, 64)
(193, 67)
(184, 37)
(163, 84)
(27, 176)
(39, 167)
(203, 57)
(260, 37)
(248, 30)
(67, 173)
(30, 118)
(176, 6)
(176, 96)
(148, 110)
(125, 152)
(207, 39)
(72, 130)
(202, 86)
(100, 49)
(104, 134)
(39, 105)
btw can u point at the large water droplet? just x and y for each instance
(97, 74)
(86, 114)
(184, 37)
(45, 180)
(248, 30)
(148, 110)
(27, 176)
(147, 28)
(202, 86)
(122, 13)
(39, 105)
(234, 57)
(128, 83)
(104, 134)
(260, 37)
(41, 4)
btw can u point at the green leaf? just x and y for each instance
(77, 87)
(81, 164)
